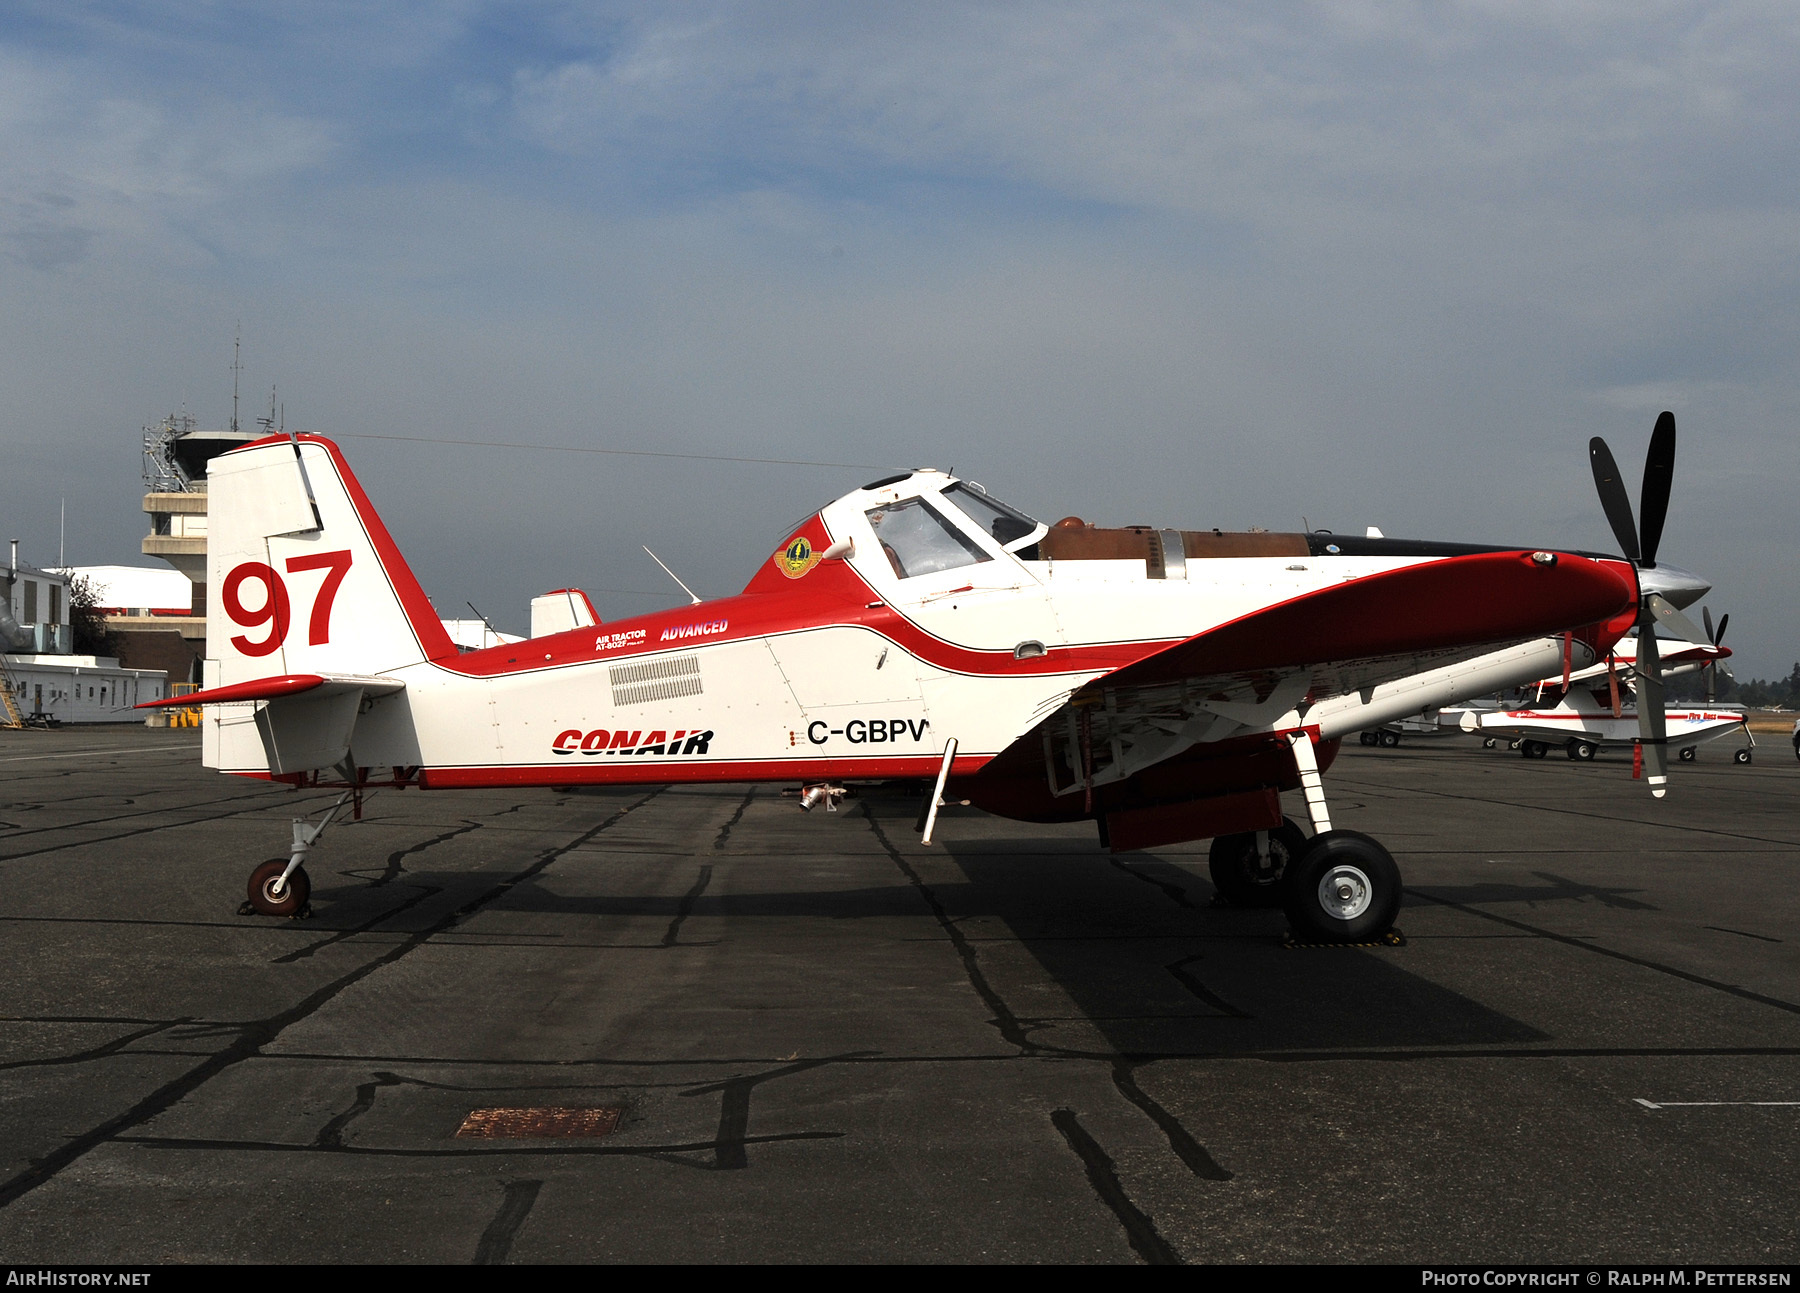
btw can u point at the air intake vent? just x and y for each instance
(636, 684)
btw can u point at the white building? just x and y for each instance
(34, 608)
(78, 688)
(40, 677)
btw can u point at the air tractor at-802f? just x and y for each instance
(1168, 685)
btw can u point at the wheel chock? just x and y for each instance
(1393, 938)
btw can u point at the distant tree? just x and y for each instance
(86, 624)
(1782, 693)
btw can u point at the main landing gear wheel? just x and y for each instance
(1369, 738)
(290, 900)
(1344, 888)
(1252, 878)
(1687, 754)
(1533, 749)
(1389, 740)
(1583, 751)
(1740, 756)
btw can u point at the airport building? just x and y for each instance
(42, 680)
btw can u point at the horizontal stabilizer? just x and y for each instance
(292, 684)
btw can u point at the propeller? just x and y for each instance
(1716, 638)
(1639, 543)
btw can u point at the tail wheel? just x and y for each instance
(1249, 877)
(1741, 756)
(290, 901)
(1488, 743)
(1344, 888)
(1687, 754)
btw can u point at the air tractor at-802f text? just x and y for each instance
(1167, 685)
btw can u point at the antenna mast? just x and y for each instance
(236, 368)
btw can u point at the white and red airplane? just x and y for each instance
(1596, 708)
(1168, 685)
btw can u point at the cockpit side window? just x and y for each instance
(1006, 524)
(918, 541)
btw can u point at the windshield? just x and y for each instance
(917, 541)
(1006, 524)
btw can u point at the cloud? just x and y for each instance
(132, 168)
(1214, 109)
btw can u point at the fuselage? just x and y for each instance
(897, 617)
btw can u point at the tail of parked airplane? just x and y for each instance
(302, 576)
(312, 608)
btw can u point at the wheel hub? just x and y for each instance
(1345, 892)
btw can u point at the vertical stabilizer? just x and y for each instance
(302, 576)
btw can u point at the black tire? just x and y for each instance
(1741, 756)
(1686, 755)
(1370, 738)
(1390, 740)
(1344, 888)
(1488, 743)
(1248, 878)
(1533, 749)
(293, 896)
(1582, 751)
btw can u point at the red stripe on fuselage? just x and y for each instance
(653, 771)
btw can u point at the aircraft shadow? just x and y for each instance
(1086, 952)
(1554, 889)
(1150, 966)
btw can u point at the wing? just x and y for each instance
(1481, 621)
(1382, 626)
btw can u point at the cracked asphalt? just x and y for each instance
(830, 1044)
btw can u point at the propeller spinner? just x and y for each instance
(1639, 544)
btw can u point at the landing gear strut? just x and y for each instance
(281, 887)
(1247, 868)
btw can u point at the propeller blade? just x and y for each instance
(1653, 722)
(1612, 497)
(1677, 623)
(1712, 666)
(1659, 475)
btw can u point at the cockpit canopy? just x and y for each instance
(921, 537)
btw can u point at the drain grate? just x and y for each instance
(540, 1123)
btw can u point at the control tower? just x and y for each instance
(176, 452)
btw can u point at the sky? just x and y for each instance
(1184, 265)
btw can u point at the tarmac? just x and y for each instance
(812, 1039)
